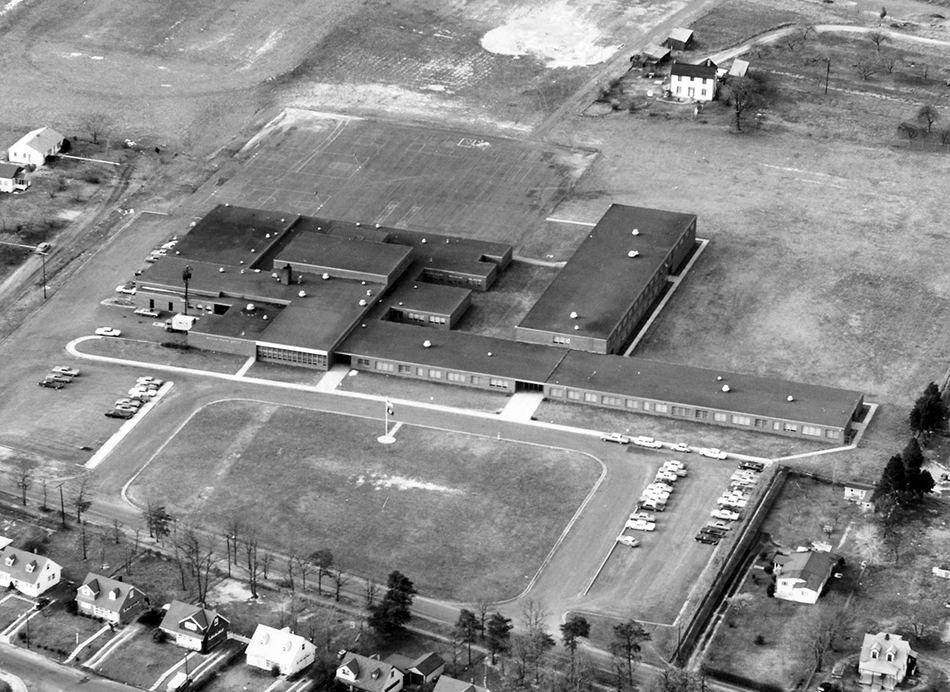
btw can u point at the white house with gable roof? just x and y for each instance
(270, 648)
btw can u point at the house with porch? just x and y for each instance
(801, 577)
(12, 178)
(28, 573)
(369, 674)
(282, 650)
(421, 670)
(112, 600)
(193, 627)
(886, 660)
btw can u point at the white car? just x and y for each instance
(616, 437)
(712, 453)
(641, 525)
(108, 331)
(628, 540)
(146, 312)
(669, 476)
(136, 393)
(643, 441)
(646, 516)
(63, 370)
(128, 290)
(662, 486)
(680, 447)
(149, 380)
(673, 464)
(725, 514)
(732, 501)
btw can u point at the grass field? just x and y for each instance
(140, 662)
(421, 390)
(57, 631)
(462, 516)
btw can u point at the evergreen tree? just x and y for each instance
(499, 634)
(930, 410)
(893, 480)
(912, 455)
(466, 629)
(391, 614)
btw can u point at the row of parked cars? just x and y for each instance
(650, 443)
(160, 251)
(58, 377)
(145, 389)
(654, 498)
(731, 504)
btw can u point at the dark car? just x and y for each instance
(752, 465)
(828, 686)
(52, 384)
(708, 538)
(120, 413)
(713, 530)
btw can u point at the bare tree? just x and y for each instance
(116, 531)
(928, 115)
(23, 478)
(323, 560)
(81, 501)
(482, 606)
(252, 562)
(43, 485)
(339, 579)
(370, 593)
(304, 566)
(821, 627)
(743, 93)
(265, 563)
(888, 62)
(865, 67)
(83, 540)
(909, 130)
(95, 125)
(197, 554)
(804, 31)
(877, 38)
(231, 534)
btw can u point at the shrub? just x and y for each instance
(92, 177)
(159, 636)
(275, 672)
(151, 618)
(72, 607)
(759, 640)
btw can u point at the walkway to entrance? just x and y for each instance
(522, 406)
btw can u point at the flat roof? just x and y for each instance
(765, 397)
(600, 282)
(452, 350)
(461, 249)
(228, 235)
(319, 321)
(426, 297)
(345, 254)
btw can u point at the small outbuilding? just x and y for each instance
(679, 39)
(36, 146)
(12, 178)
(861, 494)
(739, 68)
(656, 54)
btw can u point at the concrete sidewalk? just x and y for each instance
(522, 406)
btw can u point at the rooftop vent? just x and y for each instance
(636, 231)
(426, 344)
(302, 294)
(790, 398)
(577, 327)
(192, 224)
(489, 354)
(573, 315)
(253, 250)
(377, 225)
(357, 223)
(369, 293)
(633, 253)
(726, 388)
(325, 276)
(264, 317)
(221, 270)
(423, 240)
(718, 378)
(362, 302)
(251, 307)
(267, 235)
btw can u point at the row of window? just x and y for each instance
(286, 355)
(700, 414)
(692, 91)
(419, 317)
(438, 276)
(435, 373)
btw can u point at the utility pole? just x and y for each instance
(186, 277)
(827, 73)
(62, 505)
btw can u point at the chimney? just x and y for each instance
(287, 275)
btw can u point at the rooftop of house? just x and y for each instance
(370, 674)
(24, 566)
(601, 280)
(884, 643)
(681, 34)
(449, 684)
(813, 568)
(106, 592)
(10, 170)
(42, 139)
(179, 612)
(704, 70)
(277, 644)
(452, 350)
(701, 387)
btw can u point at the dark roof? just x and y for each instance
(42, 139)
(704, 70)
(428, 663)
(813, 568)
(699, 387)
(452, 350)
(426, 297)
(322, 319)
(227, 235)
(178, 612)
(656, 52)
(100, 587)
(434, 245)
(345, 254)
(371, 674)
(600, 282)
(9, 170)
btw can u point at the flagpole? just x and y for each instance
(386, 419)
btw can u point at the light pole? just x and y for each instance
(36, 250)
(186, 277)
(43, 255)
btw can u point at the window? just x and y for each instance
(777, 425)
(435, 374)
(791, 427)
(421, 372)
(633, 403)
(456, 377)
(719, 417)
(702, 414)
(646, 405)
(556, 391)
(592, 398)
(811, 430)
(385, 367)
(703, 91)
(679, 90)
(405, 369)
(680, 411)
(613, 401)
(434, 319)
(561, 339)
(761, 423)
(479, 380)
(498, 383)
(363, 361)
(832, 434)
(189, 625)
(661, 408)
(288, 355)
(417, 317)
(571, 394)
(741, 420)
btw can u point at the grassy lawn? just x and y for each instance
(140, 661)
(239, 676)
(758, 639)
(284, 373)
(420, 390)
(734, 21)
(11, 607)
(462, 516)
(56, 631)
(150, 352)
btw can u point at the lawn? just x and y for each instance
(462, 516)
(13, 606)
(140, 661)
(420, 390)
(57, 632)
(152, 352)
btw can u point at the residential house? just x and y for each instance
(679, 39)
(369, 674)
(282, 650)
(36, 146)
(112, 600)
(886, 659)
(694, 82)
(447, 684)
(418, 671)
(862, 494)
(801, 577)
(28, 573)
(12, 178)
(194, 628)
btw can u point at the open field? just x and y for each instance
(479, 525)
(140, 661)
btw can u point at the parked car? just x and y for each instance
(651, 505)
(828, 686)
(681, 447)
(125, 401)
(707, 538)
(719, 524)
(674, 464)
(641, 525)
(50, 384)
(737, 502)
(63, 370)
(643, 441)
(725, 514)
(752, 465)
(616, 437)
(663, 475)
(108, 331)
(646, 516)
(660, 485)
(120, 413)
(149, 379)
(140, 393)
(712, 453)
(713, 530)
(56, 377)
(42, 247)
(128, 290)
(631, 541)
(146, 312)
